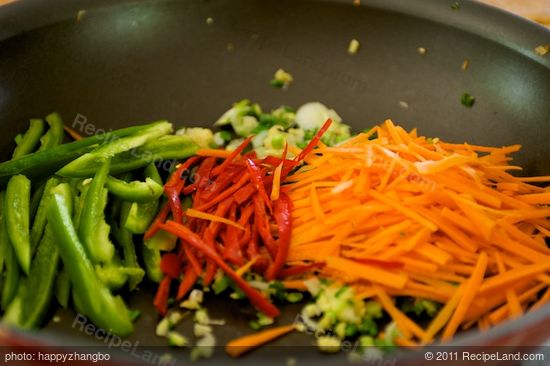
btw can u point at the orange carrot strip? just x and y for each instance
(470, 289)
(215, 153)
(72, 132)
(404, 210)
(191, 212)
(536, 198)
(443, 316)
(501, 281)
(405, 324)
(242, 345)
(367, 272)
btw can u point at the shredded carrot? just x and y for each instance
(191, 212)
(393, 213)
(470, 290)
(246, 267)
(72, 132)
(214, 153)
(276, 188)
(242, 345)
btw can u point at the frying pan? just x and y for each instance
(128, 62)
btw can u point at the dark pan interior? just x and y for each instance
(134, 62)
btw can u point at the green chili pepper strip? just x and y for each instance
(163, 148)
(135, 191)
(125, 240)
(46, 162)
(63, 288)
(39, 223)
(4, 239)
(151, 261)
(54, 136)
(112, 148)
(11, 277)
(39, 291)
(36, 198)
(140, 215)
(17, 210)
(10, 282)
(29, 141)
(93, 229)
(94, 298)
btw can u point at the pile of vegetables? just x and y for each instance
(382, 232)
(397, 216)
(231, 220)
(70, 213)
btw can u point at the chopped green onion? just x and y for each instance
(294, 297)
(353, 47)
(134, 315)
(328, 344)
(281, 79)
(176, 339)
(467, 100)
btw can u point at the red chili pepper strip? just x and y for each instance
(262, 225)
(177, 178)
(256, 298)
(203, 178)
(210, 273)
(193, 261)
(173, 188)
(314, 141)
(220, 168)
(298, 270)
(252, 250)
(161, 217)
(258, 180)
(189, 279)
(245, 238)
(161, 297)
(242, 181)
(211, 267)
(244, 193)
(189, 189)
(170, 265)
(220, 184)
(232, 249)
(246, 214)
(222, 210)
(283, 207)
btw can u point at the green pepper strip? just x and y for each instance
(151, 261)
(17, 211)
(125, 240)
(39, 223)
(63, 288)
(93, 229)
(38, 292)
(135, 191)
(113, 148)
(54, 136)
(140, 215)
(36, 198)
(94, 298)
(44, 163)
(11, 278)
(4, 239)
(30, 139)
(163, 148)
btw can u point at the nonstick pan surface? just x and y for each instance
(126, 62)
